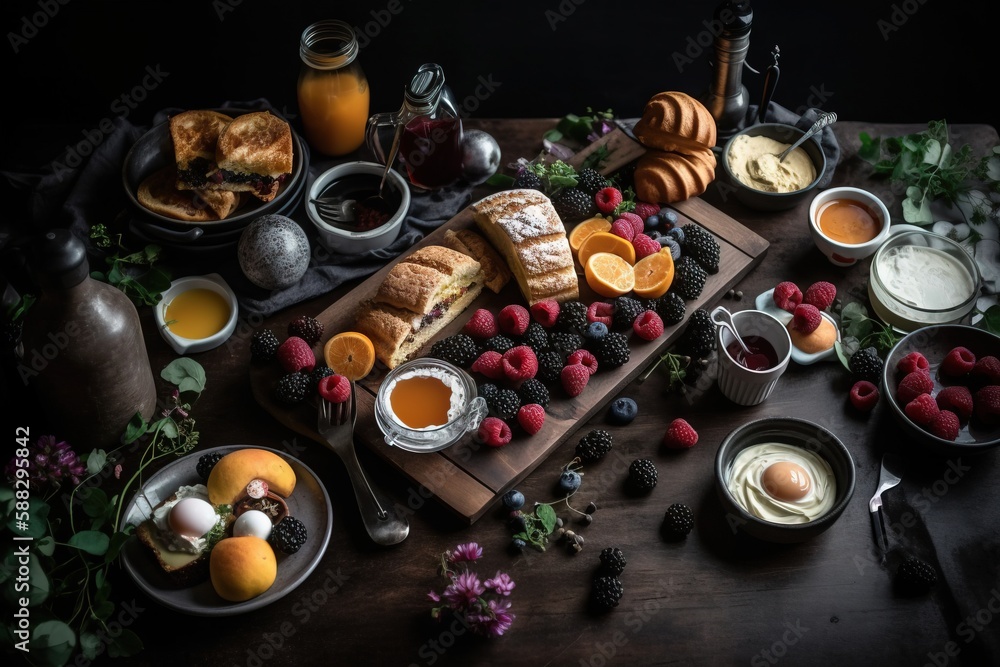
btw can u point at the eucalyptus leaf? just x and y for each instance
(6, 493)
(91, 541)
(95, 502)
(917, 212)
(186, 373)
(118, 540)
(547, 516)
(52, 643)
(102, 610)
(933, 152)
(125, 645)
(991, 319)
(89, 645)
(169, 429)
(39, 585)
(135, 429)
(46, 546)
(96, 461)
(854, 320)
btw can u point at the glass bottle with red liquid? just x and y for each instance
(426, 131)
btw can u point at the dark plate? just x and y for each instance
(310, 503)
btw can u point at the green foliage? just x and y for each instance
(859, 331)
(580, 128)
(134, 273)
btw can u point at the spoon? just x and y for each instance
(752, 360)
(825, 119)
(378, 202)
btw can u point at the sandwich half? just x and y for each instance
(253, 154)
(158, 192)
(419, 296)
(195, 134)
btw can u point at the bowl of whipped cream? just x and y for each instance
(783, 479)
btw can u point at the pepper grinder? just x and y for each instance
(727, 98)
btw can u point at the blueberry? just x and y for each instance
(677, 233)
(668, 216)
(653, 234)
(518, 543)
(569, 481)
(652, 222)
(517, 521)
(671, 242)
(596, 330)
(513, 499)
(622, 411)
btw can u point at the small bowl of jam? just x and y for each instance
(748, 379)
(197, 313)
(848, 224)
(427, 405)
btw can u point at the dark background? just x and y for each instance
(877, 60)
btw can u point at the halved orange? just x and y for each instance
(653, 275)
(608, 274)
(579, 233)
(605, 242)
(350, 354)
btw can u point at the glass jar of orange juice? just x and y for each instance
(333, 91)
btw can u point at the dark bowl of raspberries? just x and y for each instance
(942, 383)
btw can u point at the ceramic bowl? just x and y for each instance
(934, 342)
(182, 345)
(354, 180)
(765, 302)
(773, 201)
(838, 252)
(798, 433)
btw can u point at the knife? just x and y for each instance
(888, 478)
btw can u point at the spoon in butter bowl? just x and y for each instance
(746, 357)
(824, 120)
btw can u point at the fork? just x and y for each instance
(335, 423)
(335, 209)
(889, 477)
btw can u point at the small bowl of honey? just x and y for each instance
(848, 224)
(197, 313)
(427, 405)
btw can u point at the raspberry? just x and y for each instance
(637, 225)
(520, 363)
(958, 399)
(494, 432)
(987, 404)
(601, 311)
(644, 246)
(608, 199)
(644, 209)
(307, 328)
(481, 325)
(490, 364)
(806, 318)
(585, 358)
(680, 435)
(648, 326)
(295, 355)
(531, 417)
(945, 425)
(864, 395)
(546, 312)
(513, 319)
(787, 295)
(987, 370)
(820, 294)
(958, 362)
(922, 410)
(914, 361)
(574, 378)
(624, 229)
(335, 388)
(912, 385)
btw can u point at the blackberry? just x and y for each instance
(670, 307)
(529, 180)
(678, 521)
(292, 388)
(866, 365)
(612, 561)
(307, 328)
(606, 593)
(698, 339)
(504, 404)
(627, 308)
(550, 365)
(263, 345)
(700, 244)
(565, 341)
(533, 390)
(572, 317)
(573, 205)
(205, 464)
(611, 351)
(641, 476)
(459, 349)
(12, 330)
(535, 337)
(488, 391)
(591, 181)
(498, 343)
(594, 446)
(915, 576)
(689, 277)
(318, 374)
(288, 535)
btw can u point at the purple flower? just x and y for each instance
(466, 552)
(501, 584)
(493, 622)
(464, 590)
(434, 596)
(49, 462)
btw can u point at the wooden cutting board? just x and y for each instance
(468, 478)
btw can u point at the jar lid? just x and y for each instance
(425, 88)
(60, 259)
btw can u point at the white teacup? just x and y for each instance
(739, 383)
(842, 251)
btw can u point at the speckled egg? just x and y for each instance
(273, 252)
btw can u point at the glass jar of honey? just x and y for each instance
(332, 91)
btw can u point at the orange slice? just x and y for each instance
(609, 275)
(585, 229)
(350, 354)
(605, 242)
(653, 275)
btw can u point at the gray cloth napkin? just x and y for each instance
(828, 140)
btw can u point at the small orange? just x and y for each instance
(605, 242)
(609, 275)
(350, 354)
(654, 275)
(241, 568)
(585, 229)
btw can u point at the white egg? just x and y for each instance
(252, 522)
(192, 517)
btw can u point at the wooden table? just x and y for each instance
(715, 598)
